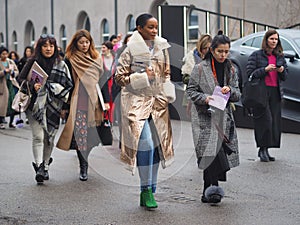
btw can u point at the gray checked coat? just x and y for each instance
(206, 137)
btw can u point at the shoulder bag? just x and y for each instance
(21, 100)
(254, 94)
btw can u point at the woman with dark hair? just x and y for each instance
(85, 112)
(143, 71)
(46, 101)
(27, 54)
(215, 153)
(268, 64)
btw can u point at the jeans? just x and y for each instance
(147, 159)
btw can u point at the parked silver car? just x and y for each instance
(290, 39)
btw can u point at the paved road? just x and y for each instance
(256, 193)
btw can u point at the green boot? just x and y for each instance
(147, 199)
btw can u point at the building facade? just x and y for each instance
(22, 22)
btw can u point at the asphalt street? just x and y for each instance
(256, 193)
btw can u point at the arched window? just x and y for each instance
(63, 37)
(193, 25)
(130, 24)
(105, 30)
(1, 39)
(45, 30)
(29, 37)
(83, 21)
(14, 41)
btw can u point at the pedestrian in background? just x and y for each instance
(107, 81)
(8, 73)
(14, 56)
(26, 55)
(143, 71)
(269, 64)
(210, 125)
(46, 102)
(193, 57)
(85, 112)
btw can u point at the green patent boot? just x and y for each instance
(147, 199)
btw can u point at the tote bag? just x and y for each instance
(254, 93)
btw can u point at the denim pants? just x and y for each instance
(42, 145)
(147, 159)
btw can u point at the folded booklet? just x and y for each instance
(219, 99)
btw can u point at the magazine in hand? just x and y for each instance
(219, 99)
(37, 74)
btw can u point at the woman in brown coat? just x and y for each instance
(144, 74)
(85, 112)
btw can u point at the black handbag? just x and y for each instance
(254, 93)
(105, 132)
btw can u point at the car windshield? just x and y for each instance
(297, 40)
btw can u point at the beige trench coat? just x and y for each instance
(3, 86)
(137, 104)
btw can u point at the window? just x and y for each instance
(248, 42)
(1, 39)
(130, 24)
(45, 30)
(193, 25)
(15, 41)
(257, 42)
(286, 46)
(105, 30)
(63, 38)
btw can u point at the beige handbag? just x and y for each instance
(21, 100)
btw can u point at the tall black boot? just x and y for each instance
(39, 170)
(271, 158)
(262, 154)
(46, 173)
(83, 164)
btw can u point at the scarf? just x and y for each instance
(51, 97)
(87, 71)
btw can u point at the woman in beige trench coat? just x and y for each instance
(144, 74)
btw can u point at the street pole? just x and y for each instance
(116, 17)
(52, 17)
(6, 23)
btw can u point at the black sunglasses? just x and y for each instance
(47, 36)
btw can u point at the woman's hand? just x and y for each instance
(270, 67)
(225, 89)
(208, 98)
(63, 113)
(107, 106)
(280, 69)
(150, 73)
(37, 86)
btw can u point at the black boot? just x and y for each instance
(46, 173)
(39, 177)
(83, 164)
(270, 157)
(262, 154)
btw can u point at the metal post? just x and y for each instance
(116, 17)
(6, 23)
(52, 17)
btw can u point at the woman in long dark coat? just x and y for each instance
(269, 64)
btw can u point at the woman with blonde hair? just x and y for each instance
(85, 112)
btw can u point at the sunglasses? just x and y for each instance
(47, 36)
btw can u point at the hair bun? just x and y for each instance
(220, 32)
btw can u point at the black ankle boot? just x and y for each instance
(262, 154)
(46, 173)
(270, 157)
(39, 176)
(83, 164)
